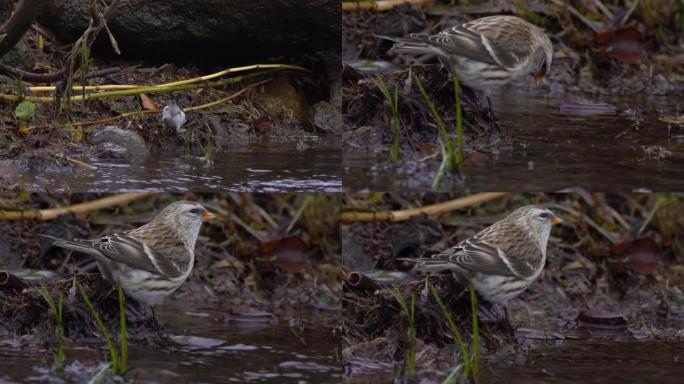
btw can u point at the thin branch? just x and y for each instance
(434, 209)
(53, 213)
(137, 113)
(51, 77)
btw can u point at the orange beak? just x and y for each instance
(556, 220)
(537, 77)
(208, 216)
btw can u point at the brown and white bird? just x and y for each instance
(502, 260)
(152, 261)
(486, 53)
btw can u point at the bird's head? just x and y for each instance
(185, 219)
(536, 221)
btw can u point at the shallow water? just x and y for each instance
(556, 147)
(256, 166)
(596, 360)
(202, 349)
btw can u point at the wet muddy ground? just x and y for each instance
(306, 164)
(554, 144)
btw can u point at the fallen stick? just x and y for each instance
(434, 209)
(136, 113)
(53, 213)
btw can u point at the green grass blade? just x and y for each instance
(410, 314)
(476, 331)
(459, 121)
(124, 332)
(110, 345)
(454, 329)
(59, 327)
(393, 100)
(448, 143)
(454, 375)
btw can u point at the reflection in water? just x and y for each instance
(593, 361)
(554, 150)
(199, 349)
(572, 361)
(250, 167)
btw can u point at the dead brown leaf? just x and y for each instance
(147, 103)
(639, 255)
(623, 44)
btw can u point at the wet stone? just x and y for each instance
(116, 143)
(325, 117)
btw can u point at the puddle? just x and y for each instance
(200, 348)
(576, 361)
(597, 361)
(312, 166)
(554, 150)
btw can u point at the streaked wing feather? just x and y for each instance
(126, 249)
(503, 43)
(463, 42)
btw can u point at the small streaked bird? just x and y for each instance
(152, 261)
(502, 260)
(485, 53)
(173, 116)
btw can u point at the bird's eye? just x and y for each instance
(194, 211)
(545, 215)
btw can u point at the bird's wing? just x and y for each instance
(126, 249)
(478, 255)
(496, 250)
(463, 42)
(503, 44)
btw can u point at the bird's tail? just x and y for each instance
(415, 44)
(72, 245)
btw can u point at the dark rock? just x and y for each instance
(114, 142)
(325, 117)
(232, 30)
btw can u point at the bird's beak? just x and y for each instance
(537, 77)
(556, 220)
(207, 216)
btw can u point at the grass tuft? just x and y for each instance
(410, 312)
(118, 361)
(59, 326)
(471, 356)
(393, 99)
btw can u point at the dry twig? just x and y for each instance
(434, 209)
(53, 213)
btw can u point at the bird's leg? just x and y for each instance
(155, 324)
(508, 327)
(487, 312)
(491, 116)
(134, 314)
